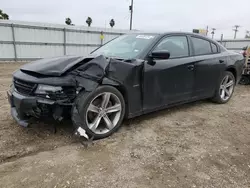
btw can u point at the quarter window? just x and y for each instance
(176, 45)
(214, 48)
(201, 47)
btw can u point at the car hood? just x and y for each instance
(86, 72)
(78, 70)
(55, 66)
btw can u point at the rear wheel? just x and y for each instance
(244, 80)
(225, 88)
(101, 111)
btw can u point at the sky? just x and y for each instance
(149, 15)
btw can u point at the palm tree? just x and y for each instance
(68, 21)
(247, 34)
(112, 23)
(3, 16)
(89, 21)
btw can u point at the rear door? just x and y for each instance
(209, 64)
(169, 81)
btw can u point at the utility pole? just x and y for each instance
(236, 30)
(221, 38)
(207, 31)
(213, 29)
(131, 7)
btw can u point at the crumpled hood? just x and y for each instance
(55, 66)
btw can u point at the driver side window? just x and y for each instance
(177, 46)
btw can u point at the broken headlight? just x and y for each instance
(55, 92)
(47, 89)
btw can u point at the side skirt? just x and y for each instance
(163, 107)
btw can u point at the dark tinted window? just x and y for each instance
(201, 46)
(176, 45)
(214, 48)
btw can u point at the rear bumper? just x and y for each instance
(25, 107)
(246, 69)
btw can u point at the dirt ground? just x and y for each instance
(195, 145)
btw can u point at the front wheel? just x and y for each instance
(101, 111)
(225, 88)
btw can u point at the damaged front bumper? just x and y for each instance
(24, 107)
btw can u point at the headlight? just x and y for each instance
(47, 89)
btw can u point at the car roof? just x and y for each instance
(166, 33)
(172, 33)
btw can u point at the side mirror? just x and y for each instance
(163, 54)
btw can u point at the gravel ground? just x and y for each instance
(194, 145)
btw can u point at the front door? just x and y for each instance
(169, 81)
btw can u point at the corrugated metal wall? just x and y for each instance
(236, 44)
(26, 41)
(29, 40)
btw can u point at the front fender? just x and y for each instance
(131, 95)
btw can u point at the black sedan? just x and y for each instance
(131, 75)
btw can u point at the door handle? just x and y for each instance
(190, 67)
(221, 61)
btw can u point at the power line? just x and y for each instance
(235, 30)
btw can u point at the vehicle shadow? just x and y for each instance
(66, 128)
(50, 126)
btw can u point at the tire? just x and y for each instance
(218, 97)
(89, 114)
(244, 80)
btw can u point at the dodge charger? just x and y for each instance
(131, 75)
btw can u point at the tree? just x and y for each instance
(89, 21)
(112, 23)
(247, 34)
(3, 16)
(68, 21)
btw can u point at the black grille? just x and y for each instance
(24, 87)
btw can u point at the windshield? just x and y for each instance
(125, 46)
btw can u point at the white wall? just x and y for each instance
(236, 44)
(29, 40)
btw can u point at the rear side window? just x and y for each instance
(201, 46)
(214, 48)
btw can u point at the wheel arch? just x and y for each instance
(232, 69)
(121, 89)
